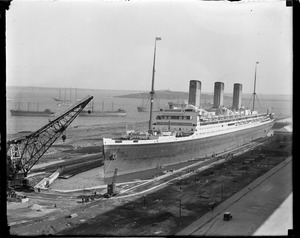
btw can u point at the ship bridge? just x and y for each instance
(185, 120)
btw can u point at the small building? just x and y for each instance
(283, 135)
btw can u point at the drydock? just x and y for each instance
(166, 203)
(71, 195)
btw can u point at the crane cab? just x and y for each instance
(111, 188)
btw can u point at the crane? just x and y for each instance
(24, 152)
(111, 188)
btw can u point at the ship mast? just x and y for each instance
(152, 86)
(254, 93)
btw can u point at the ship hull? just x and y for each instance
(140, 157)
(103, 114)
(31, 113)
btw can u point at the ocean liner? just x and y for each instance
(179, 135)
(183, 134)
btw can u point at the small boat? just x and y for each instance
(19, 112)
(66, 102)
(145, 108)
(142, 109)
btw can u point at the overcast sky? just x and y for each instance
(109, 44)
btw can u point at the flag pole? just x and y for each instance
(254, 93)
(152, 85)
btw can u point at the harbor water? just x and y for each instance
(38, 98)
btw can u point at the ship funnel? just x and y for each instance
(218, 94)
(237, 96)
(194, 93)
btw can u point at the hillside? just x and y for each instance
(171, 95)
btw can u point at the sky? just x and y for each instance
(109, 44)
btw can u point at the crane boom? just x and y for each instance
(111, 188)
(26, 151)
(114, 176)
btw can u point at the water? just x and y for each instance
(42, 98)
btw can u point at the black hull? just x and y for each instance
(31, 113)
(139, 157)
(103, 114)
(89, 113)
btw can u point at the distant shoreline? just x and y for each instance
(158, 90)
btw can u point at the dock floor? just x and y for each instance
(252, 208)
